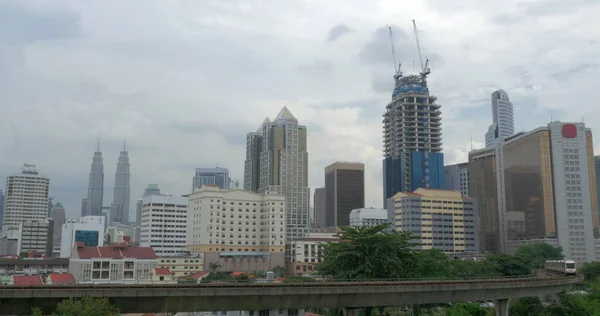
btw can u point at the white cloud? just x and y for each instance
(185, 80)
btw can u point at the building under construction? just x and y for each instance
(412, 135)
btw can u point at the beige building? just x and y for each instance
(305, 252)
(441, 219)
(182, 266)
(236, 229)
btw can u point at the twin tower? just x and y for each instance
(118, 211)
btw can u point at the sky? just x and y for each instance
(183, 81)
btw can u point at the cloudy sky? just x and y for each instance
(184, 81)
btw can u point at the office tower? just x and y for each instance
(83, 206)
(59, 217)
(37, 237)
(164, 224)
(412, 137)
(277, 160)
(422, 211)
(546, 189)
(319, 206)
(26, 197)
(596, 176)
(88, 229)
(120, 205)
(344, 192)
(368, 217)
(457, 177)
(503, 125)
(211, 176)
(1, 207)
(259, 244)
(50, 206)
(95, 195)
(152, 189)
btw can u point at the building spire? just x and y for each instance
(125, 146)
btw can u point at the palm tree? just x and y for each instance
(213, 266)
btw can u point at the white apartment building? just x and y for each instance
(304, 252)
(503, 125)
(37, 236)
(368, 217)
(240, 230)
(164, 223)
(89, 230)
(26, 197)
(122, 233)
(116, 263)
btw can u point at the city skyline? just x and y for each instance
(335, 84)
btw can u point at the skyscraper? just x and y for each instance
(95, 195)
(1, 207)
(596, 175)
(412, 137)
(211, 176)
(503, 125)
(120, 206)
(26, 197)
(277, 160)
(457, 177)
(344, 192)
(59, 218)
(319, 206)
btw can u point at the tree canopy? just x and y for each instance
(367, 253)
(536, 255)
(85, 306)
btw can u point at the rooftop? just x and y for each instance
(120, 251)
(61, 278)
(27, 280)
(162, 271)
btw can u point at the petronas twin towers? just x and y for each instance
(92, 205)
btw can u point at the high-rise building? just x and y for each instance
(457, 177)
(545, 189)
(422, 213)
(597, 176)
(59, 218)
(84, 202)
(95, 195)
(50, 206)
(163, 224)
(412, 137)
(212, 176)
(319, 207)
(228, 224)
(368, 217)
(152, 189)
(26, 197)
(503, 125)
(344, 192)
(37, 236)
(277, 161)
(120, 205)
(1, 207)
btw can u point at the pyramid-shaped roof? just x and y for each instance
(285, 114)
(58, 205)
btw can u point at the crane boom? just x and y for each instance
(418, 45)
(393, 51)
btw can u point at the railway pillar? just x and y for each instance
(502, 307)
(351, 311)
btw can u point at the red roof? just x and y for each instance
(61, 278)
(162, 271)
(109, 252)
(199, 275)
(27, 280)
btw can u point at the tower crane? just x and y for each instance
(425, 70)
(397, 70)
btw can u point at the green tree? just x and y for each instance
(214, 266)
(367, 253)
(472, 269)
(508, 265)
(590, 271)
(526, 306)
(243, 278)
(85, 306)
(431, 264)
(279, 271)
(466, 309)
(536, 255)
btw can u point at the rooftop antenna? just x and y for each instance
(397, 71)
(425, 70)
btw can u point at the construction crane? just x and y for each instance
(425, 70)
(397, 71)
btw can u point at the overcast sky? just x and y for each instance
(184, 81)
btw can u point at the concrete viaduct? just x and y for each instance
(350, 296)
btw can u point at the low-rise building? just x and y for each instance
(304, 253)
(33, 266)
(162, 275)
(116, 263)
(88, 229)
(236, 229)
(60, 279)
(31, 280)
(182, 266)
(441, 219)
(367, 217)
